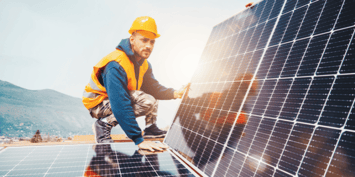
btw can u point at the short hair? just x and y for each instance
(134, 33)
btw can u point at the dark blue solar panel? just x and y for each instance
(263, 97)
(279, 173)
(280, 29)
(259, 8)
(253, 16)
(346, 17)
(278, 138)
(121, 159)
(295, 148)
(302, 3)
(294, 24)
(311, 19)
(238, 43)
(313, 54)
(290, 5)
(262, 136)
(265, 65)
(295, 98)
(246, 39)
(315, 99)
(348, 65)
(273, 94)
(343, 157)
(294, 58)
(276, 8)
(266, 11)
(266, 32)
(350, 124)
(255, 37)
(319, 152)
(339, 102)
(279, 60)
(335, 51)
(329, 16)
(253, 62)
(280, 93)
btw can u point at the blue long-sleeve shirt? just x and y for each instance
(114, 79)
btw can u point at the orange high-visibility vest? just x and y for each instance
(95, 93)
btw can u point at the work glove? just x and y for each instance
(179, 93)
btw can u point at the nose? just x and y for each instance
(149, 46)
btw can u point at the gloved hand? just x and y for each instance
(152, 146)
(179, 93)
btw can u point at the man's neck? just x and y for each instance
(138, 58)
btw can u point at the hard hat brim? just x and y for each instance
(131, 31)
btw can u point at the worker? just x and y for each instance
(122, 87)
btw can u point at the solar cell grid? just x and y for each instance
(348, 64)
(279, 101)
(294, 24)
(329, 16)
(335, 51)
(343, 157)
(266, 32)
(346, 17)
(318, 151)
(279, 60)
(121, 159)
(311, 19)
(295, 98)
(280, 28)
(312, 55)
(294, 58)
(289, 6)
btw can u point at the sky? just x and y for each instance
(51, 44)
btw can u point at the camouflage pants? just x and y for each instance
(143, 105)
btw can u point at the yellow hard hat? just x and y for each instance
(144, 23)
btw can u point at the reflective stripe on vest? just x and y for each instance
(95, 93)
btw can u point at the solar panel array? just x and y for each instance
(273, 94)
(118, 159)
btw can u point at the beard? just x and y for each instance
(144, 54)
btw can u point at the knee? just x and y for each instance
(150, 101)
(143, 99)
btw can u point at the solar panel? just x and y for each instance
(118, 159)
(273, 94)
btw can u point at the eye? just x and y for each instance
(145, 40)
(152, 42)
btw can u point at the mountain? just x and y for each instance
(23, 112)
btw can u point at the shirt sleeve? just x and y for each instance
(115, 82)
(153, 87)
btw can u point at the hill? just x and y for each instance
(24, 111)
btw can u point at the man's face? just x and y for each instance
(142, 46)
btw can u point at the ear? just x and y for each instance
(131, 38)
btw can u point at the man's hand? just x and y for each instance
(179, 93)
(146, 152)
(152, 146)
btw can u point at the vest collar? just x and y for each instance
(125, 46)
